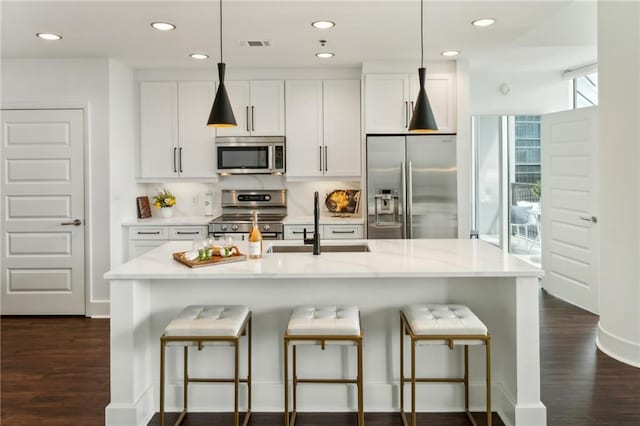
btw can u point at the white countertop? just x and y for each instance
(324, 220)
(387, 258)
(172, 221)
(204, 220)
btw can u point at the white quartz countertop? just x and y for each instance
(172, 221)
(387, 258)
(324, 220)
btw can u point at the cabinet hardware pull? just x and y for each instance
(253, 120)
(187, 233)
(406, 114)
(353, 231)
(589, 219)
(301, 232)
(75, 222)
(180, 159)
(148, 233)
(320, 156)
(326, 160)
(175, 168)
(247, 117)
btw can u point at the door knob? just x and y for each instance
(589, 218)
(76, 222)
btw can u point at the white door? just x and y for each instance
(441, 94)
(159, 129)
(342, 137)
(267, 108)
(42, 212)
(569, 206)
(196, 151)
(386, 98)
(304, 128)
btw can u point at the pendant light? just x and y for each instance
(221, 113)
(422, 120)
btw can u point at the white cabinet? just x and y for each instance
(296, 232)
(323, 128)
(389, 101)
(258, 106)
(343, 232)
(144, 238)
(174, 138)
(327, 231)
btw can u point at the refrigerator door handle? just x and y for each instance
(410, 201)
(403, 174)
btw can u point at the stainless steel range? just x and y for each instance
(237, 206)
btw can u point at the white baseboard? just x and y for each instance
(99, 309)
(618, 348)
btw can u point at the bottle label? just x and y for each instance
(254, 249)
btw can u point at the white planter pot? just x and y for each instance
(166, 212)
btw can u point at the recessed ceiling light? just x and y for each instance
(325, 55)
(323, 25)
(198, 56)
(49, 36)
(483, 22)
(450, 53)
(163, 26)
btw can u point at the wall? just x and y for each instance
(531, 93)
(619, 179)
(487, 133)
(123, 188)
(79, 83)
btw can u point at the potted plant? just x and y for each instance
(164, 200)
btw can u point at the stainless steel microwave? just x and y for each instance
(250, 155)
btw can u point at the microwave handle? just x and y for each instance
(270, 158)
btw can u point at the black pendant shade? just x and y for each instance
(422, 119)
(221, 113)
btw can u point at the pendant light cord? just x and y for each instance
(221, 31)
(421, 33)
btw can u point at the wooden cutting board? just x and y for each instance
(214, 260)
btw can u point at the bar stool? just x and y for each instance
(203, 326)
(322, 325)
(442, 324)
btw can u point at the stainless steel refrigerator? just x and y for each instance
(412, 187)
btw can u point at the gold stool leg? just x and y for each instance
(413, 383)
(360, 385)
(488, 357)
(236, 384)
(162, 344)
(185, 383)
(249, 371)
(295, 381)
(402, 368)
(286, 382)
(466, 378)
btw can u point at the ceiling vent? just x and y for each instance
(255, 43)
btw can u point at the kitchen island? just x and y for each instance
(147, 292)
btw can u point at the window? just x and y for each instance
(585, 90)
(527, 149)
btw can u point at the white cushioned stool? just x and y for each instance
(322, 325)
(442, 324)
(200, 326)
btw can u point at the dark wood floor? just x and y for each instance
(55, 371)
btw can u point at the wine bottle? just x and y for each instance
(255, 239)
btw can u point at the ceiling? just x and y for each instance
(541, 35)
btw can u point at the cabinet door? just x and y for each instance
(240, 98)
(386, 103)
(342, 137)
(267, 108)
(343, 232)
(196, 149)
(188, 232)
(442, 98)
(304, 128)
(158, 129)
(296, 232)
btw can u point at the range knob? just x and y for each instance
(223, 227)
(266, 227)
(234, 227)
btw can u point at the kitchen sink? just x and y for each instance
(342, 248)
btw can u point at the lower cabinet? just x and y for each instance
(327, 232)
(144, 238)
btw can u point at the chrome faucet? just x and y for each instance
(316, 226)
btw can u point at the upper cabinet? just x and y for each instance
(258, 106)
(323, 128)
(390, 98)
(174, 138)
